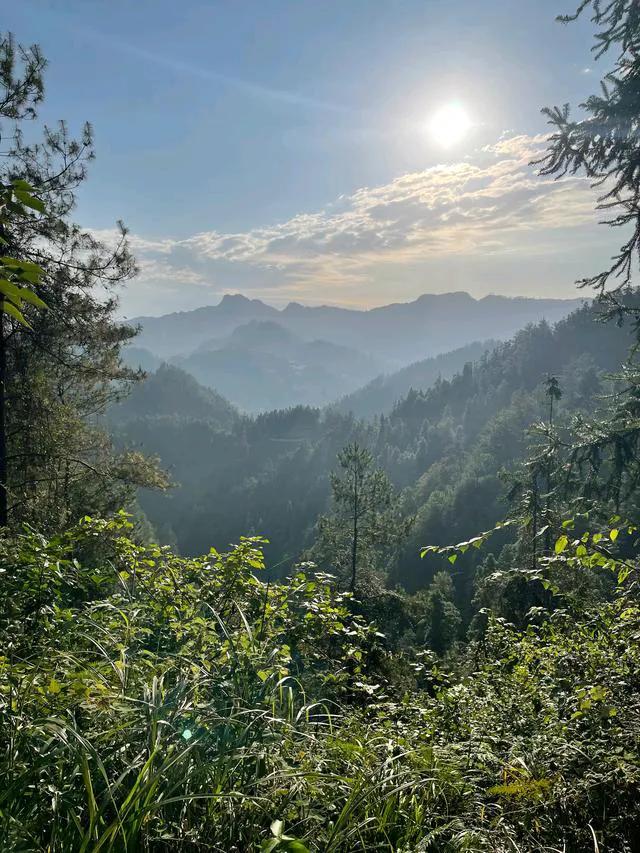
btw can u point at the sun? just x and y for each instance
(449, 125)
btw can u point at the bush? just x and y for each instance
(153, 703)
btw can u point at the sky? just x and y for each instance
(294, 150)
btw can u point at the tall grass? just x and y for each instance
(151, 703)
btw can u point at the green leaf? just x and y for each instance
(18, 294)
(11, 309)
(561, 544)
(20, 184)
(54, 686)
(29, 275)
(613, 534)
(14, 264)
(452, 558)
(29, 200)
(11, 291)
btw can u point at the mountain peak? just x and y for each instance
(450, 297)
(235, 299)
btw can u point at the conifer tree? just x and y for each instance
(442, 620)
(604, 145)
(365, 525)
(60, 375)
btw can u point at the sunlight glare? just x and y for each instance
(449, 125)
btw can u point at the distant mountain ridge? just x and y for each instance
(263, 365)
(399, 333)
(260, 357)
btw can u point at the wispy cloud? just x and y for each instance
(183, 67)
(491, 204)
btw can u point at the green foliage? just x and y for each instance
(604, 144)
(146, 693)
(18, 277)
(149, 701)
(366, 525)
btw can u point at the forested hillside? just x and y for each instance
(444, 446)
(302, 630)
(381, 394)
(170, 391)
(263, 366)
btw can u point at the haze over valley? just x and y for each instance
(263, 358)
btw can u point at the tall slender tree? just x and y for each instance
(16, 281)
(366, 522)
(60, 376)
(604, 145)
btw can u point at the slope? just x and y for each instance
(170, 392)
(380, 395)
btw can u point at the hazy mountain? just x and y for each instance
(380, 395)
(445, 444)
(396, 334)
(170, 392)
(263, 365)
(185, 331)
(137, 357)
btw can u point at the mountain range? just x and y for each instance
(444, 441)
(261, 357)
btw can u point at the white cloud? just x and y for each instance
(491, 203)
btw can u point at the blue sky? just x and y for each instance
(280, 148)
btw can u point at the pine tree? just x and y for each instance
(60, 375)
(366, 524)
(605, 145)
(442, 620)
(603, 465)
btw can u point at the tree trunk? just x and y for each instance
(534, 529)
(547, 500)
(354, 543)
(4, 502)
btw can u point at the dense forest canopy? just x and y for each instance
(407, 620)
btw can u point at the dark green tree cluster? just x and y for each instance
(61, 367)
